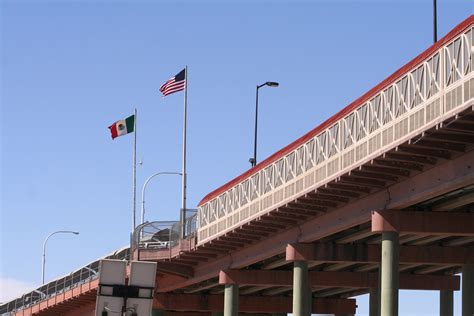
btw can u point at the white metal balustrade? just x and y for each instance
(432, 90)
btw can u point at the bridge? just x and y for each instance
(380, 197)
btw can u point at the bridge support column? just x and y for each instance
(374, 298)
(231, 300)
(446, 303)
(389, 274)
(301, 289)
(468, 290)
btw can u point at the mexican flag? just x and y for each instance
(122, 127)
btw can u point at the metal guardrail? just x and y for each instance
(415, 98)
(163, 234)
(86, 273)
(154, 235)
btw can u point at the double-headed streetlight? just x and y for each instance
(44, 249)
(253, 161)
(144, 187)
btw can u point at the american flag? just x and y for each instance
(174, 84)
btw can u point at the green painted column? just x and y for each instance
(217, 314)
(446, 303)
(389, 273)
(231, 300)
(279, 314)
(301, 289)
(374, 301)
(157, 312)
(379, 284)
(467, 290)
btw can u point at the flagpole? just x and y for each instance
(184, 174)
(134, 196)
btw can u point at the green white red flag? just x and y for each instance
(122, 127)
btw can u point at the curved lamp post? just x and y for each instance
(144, 188)
(253, 161)
(44, 249)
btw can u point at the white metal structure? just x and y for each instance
(112, 272)
(433, 87)
(142, 274)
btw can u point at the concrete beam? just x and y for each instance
(432, 223)
(337, 279)
(364, 253)
(249, 304)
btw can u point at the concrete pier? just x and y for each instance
(301, 289)
(389, 274)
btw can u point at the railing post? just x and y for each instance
(442, 79)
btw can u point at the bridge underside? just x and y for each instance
(423, 190)
(429, 176)
(376, 211)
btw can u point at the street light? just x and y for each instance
(44, 248)
(253, 161)
(144, 187)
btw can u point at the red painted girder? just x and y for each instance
(319, 195)
(174, 268)
(248, 304)
(386, 170)
(300, 211)
(172, 313)
(368, 253)
(409, 166)
(349, 187)
(269, 218)
(452, 137)
(437, 153)
(336, 192)
(374, 175)
(362, 181)
(409, 158)
(311, 203)
(325, 279)
(434, 143)
(443, 178)
(431, 223)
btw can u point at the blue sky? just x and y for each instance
(69, 69)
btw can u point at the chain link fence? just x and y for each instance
(161, 235)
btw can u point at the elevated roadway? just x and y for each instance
(378, 198)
